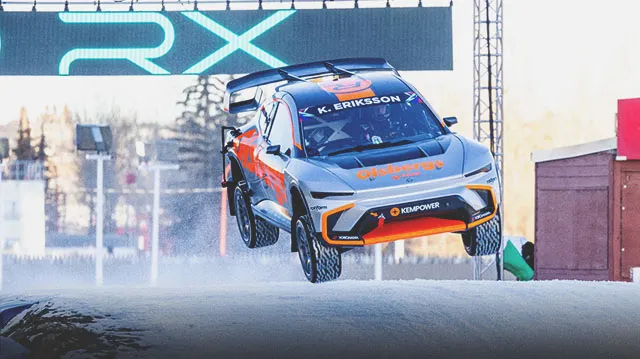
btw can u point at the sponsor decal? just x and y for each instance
(346, 86)
(395, 211)
(376, 100)
(491, 180)
(348, 102)
(413, 97)
(480, 216)
(392, 169)
(348, 237)
(318, 208)
(420, 208)
(407, 176)
(381, 219)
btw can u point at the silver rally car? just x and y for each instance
(346, 153)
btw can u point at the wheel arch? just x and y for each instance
(237, 174)
(298, 208)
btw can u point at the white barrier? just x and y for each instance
(635, 274)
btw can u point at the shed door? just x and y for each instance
(630, 223)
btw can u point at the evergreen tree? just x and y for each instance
(198, 132)
(24, 150)
(41, 155)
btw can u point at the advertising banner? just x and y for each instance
(219, 42)
(629, 128)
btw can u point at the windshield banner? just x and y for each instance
(362, 102)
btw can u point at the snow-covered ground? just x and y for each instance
(251, 267)
(343, 319)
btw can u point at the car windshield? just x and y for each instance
(373, 122)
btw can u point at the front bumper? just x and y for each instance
(398, 221)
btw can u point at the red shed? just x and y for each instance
(587, 213)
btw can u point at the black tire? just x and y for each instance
(484, 239)
(254, 231)
(319, 262)
(266, 233)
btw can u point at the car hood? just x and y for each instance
(384, 167)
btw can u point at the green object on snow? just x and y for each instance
(514, 263)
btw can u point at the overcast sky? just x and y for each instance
(151, 98)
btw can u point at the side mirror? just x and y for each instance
(273, 150)
(450, 121)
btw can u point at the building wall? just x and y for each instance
(626, 219)
(573, 222)
(24, 220)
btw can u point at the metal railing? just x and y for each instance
(23, 171)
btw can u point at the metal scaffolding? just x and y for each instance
(487, 97)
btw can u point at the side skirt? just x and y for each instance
(274, 214)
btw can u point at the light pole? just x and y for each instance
(1, 227)
(157, 165)
(96, 139)
(4, 153)
(377, 261)
(99, 158)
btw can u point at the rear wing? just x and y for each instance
(295, 72)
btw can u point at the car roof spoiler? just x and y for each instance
(294, 72)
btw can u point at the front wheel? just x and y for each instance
(484, 239)
(319, 262)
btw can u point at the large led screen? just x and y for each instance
(213, 42)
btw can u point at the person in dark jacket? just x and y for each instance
(527, 253)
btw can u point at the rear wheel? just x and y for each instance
(254, 231)
(320, 263)
(266, 233)
(484, 239)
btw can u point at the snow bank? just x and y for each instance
(417, 318)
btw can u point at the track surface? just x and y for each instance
(355, 319)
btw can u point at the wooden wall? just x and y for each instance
(573, 218)
(626, 219)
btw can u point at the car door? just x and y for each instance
(273, 164)
(256, 179)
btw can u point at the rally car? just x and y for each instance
(346, 153)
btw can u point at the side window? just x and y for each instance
(265, 116)
(281, 131)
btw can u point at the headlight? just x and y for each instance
(320, 195)
(484, 169)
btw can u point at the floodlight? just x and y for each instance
(158, 152)
(167, 150)
(141, 150)
(95, 138)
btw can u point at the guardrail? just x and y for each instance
(23, 171)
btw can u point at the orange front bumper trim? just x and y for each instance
(325, 231)
(495, 204)
(412, 228)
